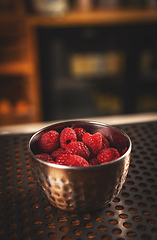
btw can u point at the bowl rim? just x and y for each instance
(76, 167)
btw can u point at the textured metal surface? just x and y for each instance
(25, 214)
(76, 189)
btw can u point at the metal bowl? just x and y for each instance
(82, 189)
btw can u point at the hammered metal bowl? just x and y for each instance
(81, 189)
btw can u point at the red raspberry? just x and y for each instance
(57, 152)
(93, 161)
(45, 157)
(93, 142)
(78, 161)
(66, 136)
(105, 142)
(78, 148)
(79, 133)
(49, 141)
(107, 155)
(62, 159)
(71, 160)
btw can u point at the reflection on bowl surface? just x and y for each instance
(82, 189)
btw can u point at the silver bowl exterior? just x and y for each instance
(81, 189)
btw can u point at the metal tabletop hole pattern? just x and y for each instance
(25, 214)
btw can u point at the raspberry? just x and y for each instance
(57, 152)
(78, 148)
(78, 161)
(62, 159)
(105, 142)
(93, 142)
(93, 161)
(107, 155)
(49, 141)
(79, 133)
(66, 136)
(71, 160)
(45, 157)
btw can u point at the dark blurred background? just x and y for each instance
(76, 59)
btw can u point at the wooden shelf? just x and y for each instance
(94, 17)
(16, 68)
(19, 58)
(15, 119)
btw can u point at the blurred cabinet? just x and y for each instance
(19, 81)
(94, 70)
(94, 60)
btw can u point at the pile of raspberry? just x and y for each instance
(76, 147)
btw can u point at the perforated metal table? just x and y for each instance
(25, 214)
